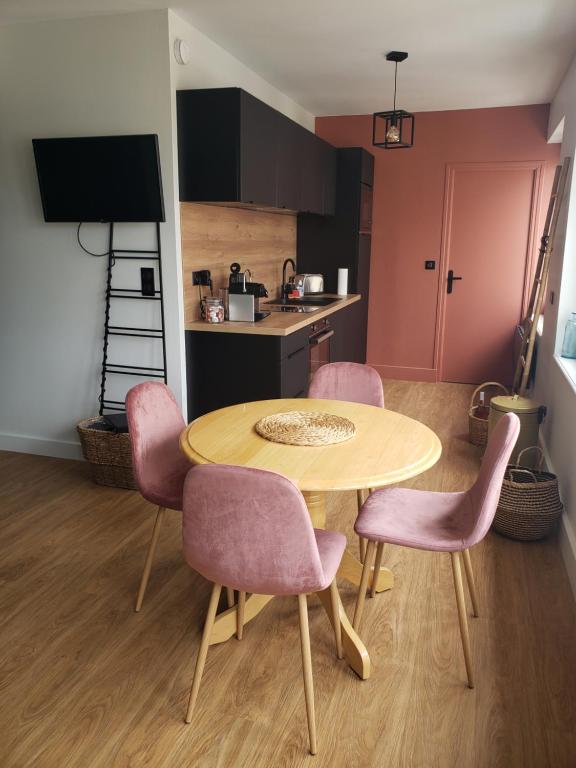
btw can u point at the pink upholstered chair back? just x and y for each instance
(354, 382)
(249, 529)
(485, 492)
(155, 423)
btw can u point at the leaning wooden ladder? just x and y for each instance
(537, 296)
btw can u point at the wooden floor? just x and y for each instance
(87, 683)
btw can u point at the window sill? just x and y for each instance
(568, 367)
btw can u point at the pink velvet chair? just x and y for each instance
(155, 423)
(439, 522)
(251, 529)
(355, 383)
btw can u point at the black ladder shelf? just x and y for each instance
(109, 368)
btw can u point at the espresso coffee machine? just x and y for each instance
(248, 307)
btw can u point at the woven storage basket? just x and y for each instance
(530, 504)
(478, 428)
(108, 452)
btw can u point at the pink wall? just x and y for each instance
(407, 218)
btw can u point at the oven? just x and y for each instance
(319, 341)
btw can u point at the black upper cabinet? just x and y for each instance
(367, 166)
(291, 138)
(258, 151)
(329, 165)
(318, 168)
(234, 148)
(325, 244)
(209, 149)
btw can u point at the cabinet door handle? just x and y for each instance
(451, 278)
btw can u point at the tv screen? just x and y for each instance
(100, 178)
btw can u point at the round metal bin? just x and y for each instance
(530, 414)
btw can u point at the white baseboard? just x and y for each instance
(567, 536)
(60, 449)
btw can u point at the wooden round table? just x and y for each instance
(386, 448)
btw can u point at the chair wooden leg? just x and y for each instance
(307, 668)
(362, 545)
(203, 650)
(240, 615)
(377, 565)
(471, 582)
(461, 603)
(150, 557)
(230, 597)
(368, 560)
(335, 603)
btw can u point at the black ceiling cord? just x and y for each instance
(106, 253)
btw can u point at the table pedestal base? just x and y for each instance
(351, 570)
(225, 623)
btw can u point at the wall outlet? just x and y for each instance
(201, 277)
(429, 265)
(147, 281)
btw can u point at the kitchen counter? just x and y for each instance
(277, 323)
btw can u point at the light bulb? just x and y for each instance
(393, 134)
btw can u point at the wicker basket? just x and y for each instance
(530, 504)
(478, 427)
(108, 452)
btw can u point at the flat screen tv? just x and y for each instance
(100, 178)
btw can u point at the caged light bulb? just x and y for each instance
(393, 134)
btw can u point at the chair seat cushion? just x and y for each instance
(331, 546)
(421, 519)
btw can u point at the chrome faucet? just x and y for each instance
(283, 290)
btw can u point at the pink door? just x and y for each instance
(487, 239)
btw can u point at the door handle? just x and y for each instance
(451, 278)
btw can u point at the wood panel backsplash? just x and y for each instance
(214, 236)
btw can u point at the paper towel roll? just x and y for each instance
(342, 282)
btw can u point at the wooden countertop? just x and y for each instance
(278, 323)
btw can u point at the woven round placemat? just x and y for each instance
(305, 428)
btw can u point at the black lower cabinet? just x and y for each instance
(349, 341)
(230, 368)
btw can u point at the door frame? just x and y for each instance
(537, 167)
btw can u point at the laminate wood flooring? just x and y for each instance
(87, 683)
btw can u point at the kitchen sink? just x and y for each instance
(292, 307)
(304, 301)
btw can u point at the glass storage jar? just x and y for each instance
(214, 310)
(569, 343)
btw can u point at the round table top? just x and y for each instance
(387, 447)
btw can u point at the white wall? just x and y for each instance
(553, 388)
(92, 76)
(211, 66)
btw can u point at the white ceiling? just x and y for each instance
(328, 54)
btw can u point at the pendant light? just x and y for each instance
(394, 129)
